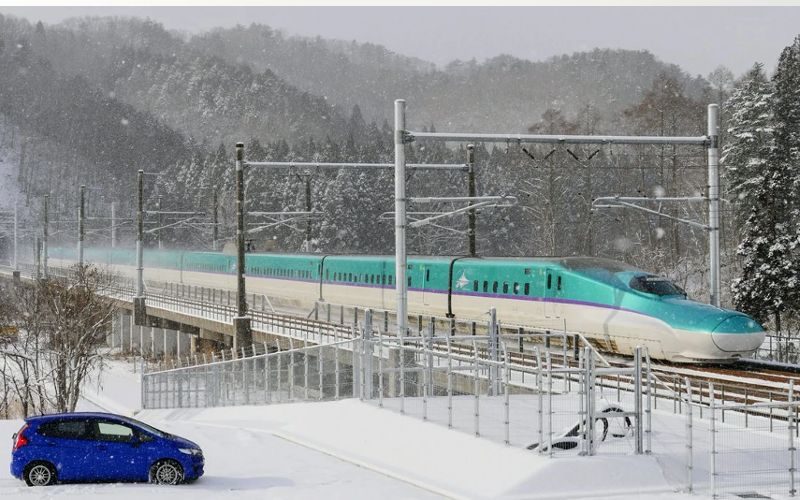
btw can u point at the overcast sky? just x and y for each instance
(697, 38)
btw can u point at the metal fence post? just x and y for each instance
(548, 360)
(689, 438)
(540, 398)
(476, 390)
(380, 367)
(713, 428)
(649, 408)
(792, 424)
(637, 401)
(449, 384)
(493, 352)
(506, 402)
(320, 371)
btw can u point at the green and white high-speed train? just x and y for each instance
(618, 306)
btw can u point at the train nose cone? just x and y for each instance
(738, 333)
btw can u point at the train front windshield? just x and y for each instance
(656, 285)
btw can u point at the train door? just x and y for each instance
(552, 291)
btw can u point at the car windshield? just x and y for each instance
(656, 285)
(148, 428)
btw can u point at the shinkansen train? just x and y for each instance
(616, 305)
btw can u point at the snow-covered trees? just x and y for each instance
(762, 166)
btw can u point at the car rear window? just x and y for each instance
(75, 429)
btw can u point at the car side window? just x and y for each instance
(112, 431)
(67, 429)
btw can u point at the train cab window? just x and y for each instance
(527, 289)
(505, 287)
(485, 286)
(475, 286)
(656, 285)
(558, 283)
(516, 288)
(494, 287)
(327, 274)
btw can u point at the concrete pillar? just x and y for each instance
(178, 335)
(192, 344)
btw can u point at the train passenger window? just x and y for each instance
(485, 286)
(391, 279)
(494, 287)
(409, 281)
(383, 279)
(475, 286)
(549, 281)
(528, 270)
(516, 288)
(349, 276)
(427, 275)
(505, 287)
(527, 288)
(558, 283)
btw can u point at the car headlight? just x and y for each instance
(190, 451)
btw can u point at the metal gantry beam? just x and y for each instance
(331, 165)
(411, 136)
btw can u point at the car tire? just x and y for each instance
(40, 474)
(166, 472)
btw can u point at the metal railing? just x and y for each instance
(548, 407)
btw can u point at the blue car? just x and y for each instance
(101, 447)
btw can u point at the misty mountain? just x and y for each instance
(502, 93)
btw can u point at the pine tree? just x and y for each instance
(750, 139)
(768, 286)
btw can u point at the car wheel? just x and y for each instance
(166, 472)
(40, 474)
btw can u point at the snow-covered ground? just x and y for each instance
(348, 449)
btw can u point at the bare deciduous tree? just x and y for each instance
(61, 325)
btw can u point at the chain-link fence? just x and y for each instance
(742, 449)
(551, 405)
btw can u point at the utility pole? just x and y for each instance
(45, 230)
(113, 224)
(713, 202)
(401, 287)
(215, 221)
(471, 194)
(241, 322)
(306, 178)
(15, 272)
(81, 215)
(139, 309)
(37, 252)
(308, 209)
(160, 223)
